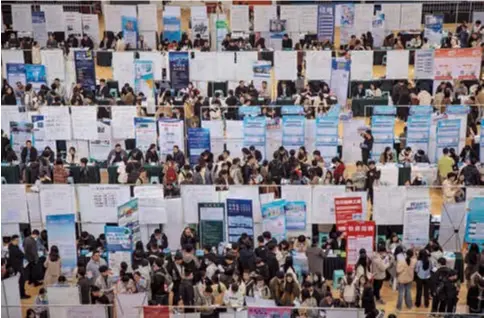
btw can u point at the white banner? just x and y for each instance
(14, 204)
(57, 123)
(244, 66)
(84, 123)
(151, 204)
(389, 204)
(99, 149)
(323, 197)
(61, 296)
(318, 65)
(411, 16)
(123, 122)
(263, 16)
(397, 64)
(50, 204)
(308, 18)
(239, 18)
(192, 195)
(91, 311)
(171, 133)
(99, 203)
(226, 69)
(53, 14)
(416, 219)
(361, 65)
(392, 15)
(285, 65)
(149, 20)
(90, 26)
(123, 68)
(54, 65)
(363, 18)
(112, 18)
(22, 17)
(73, 23)
(424, 64)
(145, 132)
(290, 13)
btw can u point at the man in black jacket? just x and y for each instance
(29, 153)
(286, 42)
(187, 292)
(472, 176)
(84, 285)
(262, 269)
(103, 90)
(159, 238)
(32, 256)
(160, 283)
(271, 261)
(15, 260)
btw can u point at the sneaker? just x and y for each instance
(25, 297)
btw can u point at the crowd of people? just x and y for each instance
(249, 270)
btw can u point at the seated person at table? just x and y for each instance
(241, 89)
(406, 155)
(136, 155)
(116, 155)
(338, 241)
(60, 173)
(374, 91)
(339, 170)
(84, 173)
(178, 156)
(86, 42)
(264, 92)
(286, 42)
(359, 177)
(29, 153)
(421, 157)
(71, 157)
(284, 91)
(152, 155)
(358, 91)
(48, 154)
(387, 156)
(10, 155)
(103, 90)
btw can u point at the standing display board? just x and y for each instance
(212, 223)
(239, 219)
(361, 235)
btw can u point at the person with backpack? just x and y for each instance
(475, 293)
(348, 290)
(423, 270)
(169, 171)
(447, 293)
(276, 168)
(438, 284)
(405, 274)
(380, 262)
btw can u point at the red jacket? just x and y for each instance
(338, 173)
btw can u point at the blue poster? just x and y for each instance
(327, 136)
(418, 132)
(16, 73)
(39, 27)
(382, 128)
(326, 22)
(198, 142)
(118, 238)
(475, 222)
(171, 28)
(128, 217)
(62, 233)
(129, 27)
(35, 75)
(292, 110)
(144, 81)
(85, 69)
(20, 133)
(179, 69)
(384, 110)
(145, 132)
(448, 133)
(457, 110)
(274, 208)
(239, 219)
(481, 141)
(421, 110)
(276, 225)
(433, 27)
(293, 131)
(295, 215)
(340, 77)
(253, 111)
(255, 133)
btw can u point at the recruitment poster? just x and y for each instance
(463, 64)
(448, 135)
(255, 133)
(171, 133)
(293, 132)
(212, 223)
(295, 212)
(276, 225)
(274, 208)
(434, 25)
(35, 75)
(179, 67)
(62, 233)
(346, 210)
(239, 219)
(360, 235)
(382, 128)
(172, 24)
(130, 31)
(85, 69)
(20, 132)
(128, 217)
(198, 142)
(39, 27)
(145, 132)
(327, 136)
(475, 221)
(16, 73)
(416, 221)
(326, 22)
(418, 131)
(118, 238)
(340, 77)
(144, 81)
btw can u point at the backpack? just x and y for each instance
(442, 281)
(349, 293)
(170, 175)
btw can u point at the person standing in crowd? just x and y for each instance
(445, 164)
(84, 285)
(94, 264)
(32, 257)
(405, 274)
(423, 270)
(372, 177)
(380, 263)
(105, 282)
(16, 262)
(52, 266)
(366, 146)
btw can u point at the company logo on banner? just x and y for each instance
(463, 64)
(35, 75)
(171, 28)
(85, 69)
(325, 22)
(129, 26)
(179, 69)
(144, 81)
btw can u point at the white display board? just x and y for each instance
(299, 193)
(61, 296)
(56, 123)
(308, 18)
(194, 194)
(388, 204)
(159, 61)
(244, 65)
(202, 66)
(290, 13)
(12, 113)
(285, 65)
(175, 222)
(122, 123)
(323, 198)
(57, 199)
(92, 311)
(112, 17)
(361, 65)
(90, 26)
(263, 15)
(363, 18)
(72, 23)
(54, 63)
(52, 20)
(397, 64)
(22, 17)
(392, 15)
(226, 69)
(411, 16)
(33, 205)
(151, 204)
(318, 65)
(14, 204)
(246, 192)
(123, 68)
(149, 22)
(239, 18)
(98, 203)
(84, 123)
(11, 56)
(11, 304)
(130, 305)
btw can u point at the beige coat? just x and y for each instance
(52, 271)
(405, 272)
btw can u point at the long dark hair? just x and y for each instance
(409, 256)
(54, 254)
(363, 261)
(423, 256)
(473, 253)
(288, 264)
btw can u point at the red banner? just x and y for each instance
(346, 210)
(156, 312)
(360, 234)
